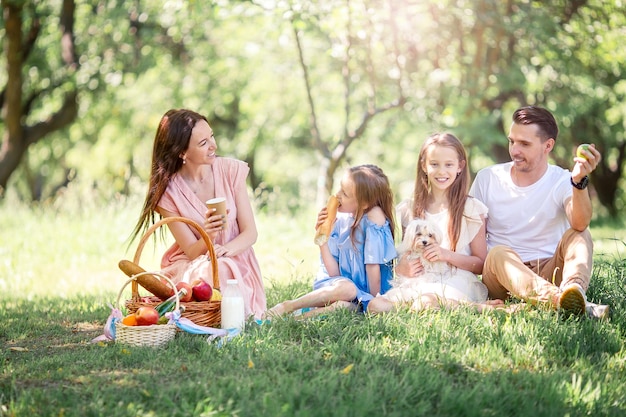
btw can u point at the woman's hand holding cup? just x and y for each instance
(216, 220)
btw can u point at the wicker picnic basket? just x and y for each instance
(203, 313)
(155, 335)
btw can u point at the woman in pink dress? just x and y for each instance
(186, 172)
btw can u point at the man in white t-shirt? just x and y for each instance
(540, 248)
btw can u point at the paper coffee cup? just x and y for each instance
(219, 204)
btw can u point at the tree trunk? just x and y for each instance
(13, 144)
(18, 137)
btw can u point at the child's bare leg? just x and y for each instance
(488, 305)
(425, 302)
(499, 305)
(342, 290)
(380, 305)
(326, 309)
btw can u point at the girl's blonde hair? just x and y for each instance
(371, 189)
(457, 193)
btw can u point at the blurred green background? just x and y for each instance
(300, 89)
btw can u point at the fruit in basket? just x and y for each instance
(146, 316)
(130, 320)
(187, 297)
(201, 290)
(217, 295)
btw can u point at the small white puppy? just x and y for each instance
(440, 283)
(417, 235)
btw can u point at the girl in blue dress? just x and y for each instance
(357, 259)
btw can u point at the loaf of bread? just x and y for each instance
(323, 232)
(149, 282)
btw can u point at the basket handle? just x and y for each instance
(133, 279)
(203, 234)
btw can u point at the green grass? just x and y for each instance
(58, 272)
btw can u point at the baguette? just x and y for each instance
(323, 232)
(149, 282)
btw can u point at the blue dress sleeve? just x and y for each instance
(380, 249)
(379, 245)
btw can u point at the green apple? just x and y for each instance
(580, 149)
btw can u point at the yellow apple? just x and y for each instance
(580, 149)
(217, 296)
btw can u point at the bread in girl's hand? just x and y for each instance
(323, 232)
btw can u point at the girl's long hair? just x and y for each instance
(170, 142)
(371, 189)
(458, 191)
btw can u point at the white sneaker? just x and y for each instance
(597, 311)
(572, 300)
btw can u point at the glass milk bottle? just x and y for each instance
(233, 316)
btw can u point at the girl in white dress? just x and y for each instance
(441, 197)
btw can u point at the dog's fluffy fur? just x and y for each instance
(440, 283)
(417, 235)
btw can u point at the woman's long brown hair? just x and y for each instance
(458, 191)
(170, 143)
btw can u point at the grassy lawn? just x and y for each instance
(58, 273)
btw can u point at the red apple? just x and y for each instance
(146, 316)
(187, 297)
(202, 291)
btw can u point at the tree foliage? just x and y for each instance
(299, 88)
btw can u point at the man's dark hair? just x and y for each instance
(532, 115)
